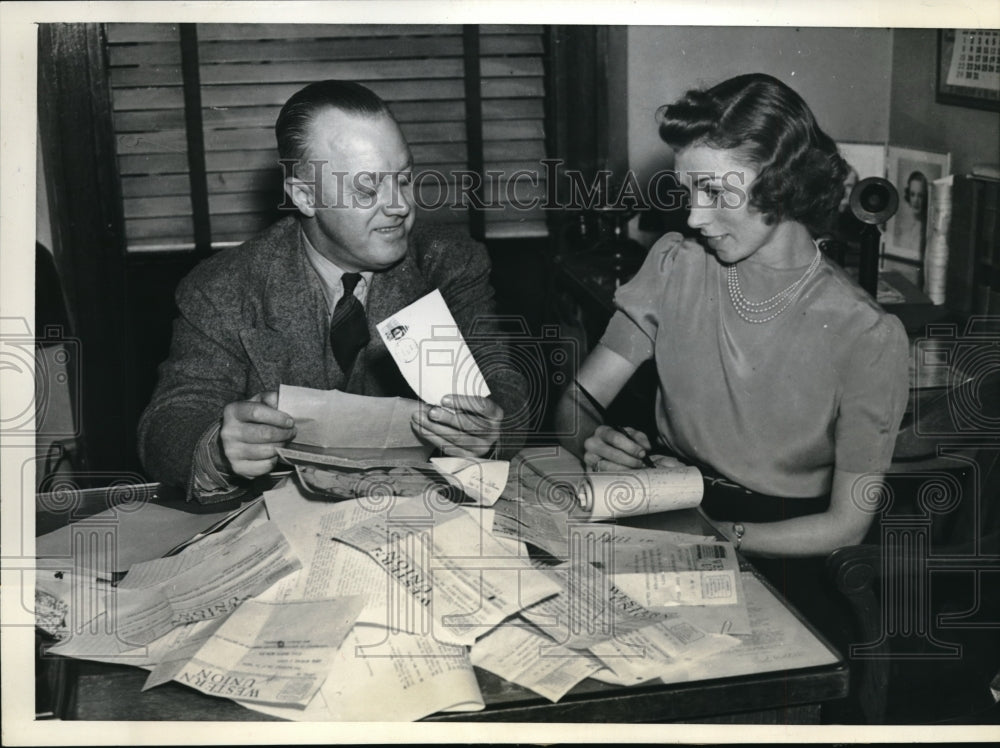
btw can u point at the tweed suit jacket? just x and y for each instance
(254, 317)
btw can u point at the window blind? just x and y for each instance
(513, 90)
(150, 131)
(245, 72)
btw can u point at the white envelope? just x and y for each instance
(430, 351)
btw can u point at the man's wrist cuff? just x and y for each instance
(208, 483)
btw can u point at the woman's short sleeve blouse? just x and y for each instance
(773, 406)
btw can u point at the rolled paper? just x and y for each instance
(616, 495)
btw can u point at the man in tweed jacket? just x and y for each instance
(258, 315)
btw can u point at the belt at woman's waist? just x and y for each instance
(726, 500)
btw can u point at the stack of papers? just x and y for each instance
(319, 611)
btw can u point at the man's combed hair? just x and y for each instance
(800, 172)
(292, 128)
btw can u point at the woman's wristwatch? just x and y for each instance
(738, 532)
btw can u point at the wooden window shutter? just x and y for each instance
(245, 73)
(147, 91)
(513, 90)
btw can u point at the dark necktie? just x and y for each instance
(348, 326)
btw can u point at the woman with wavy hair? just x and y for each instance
(777, 374)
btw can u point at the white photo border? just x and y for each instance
(900, 163)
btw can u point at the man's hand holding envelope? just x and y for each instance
(462, 426)
(458, 416)
(339, 434)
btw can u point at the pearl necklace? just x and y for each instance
(779, 302)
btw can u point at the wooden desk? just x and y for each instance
(99, 691)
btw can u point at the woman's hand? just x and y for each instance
(461, 426)
(610, 449)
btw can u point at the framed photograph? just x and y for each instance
(968, 68)
(911, 172)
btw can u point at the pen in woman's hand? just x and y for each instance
(646, 460)
(602, 412)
